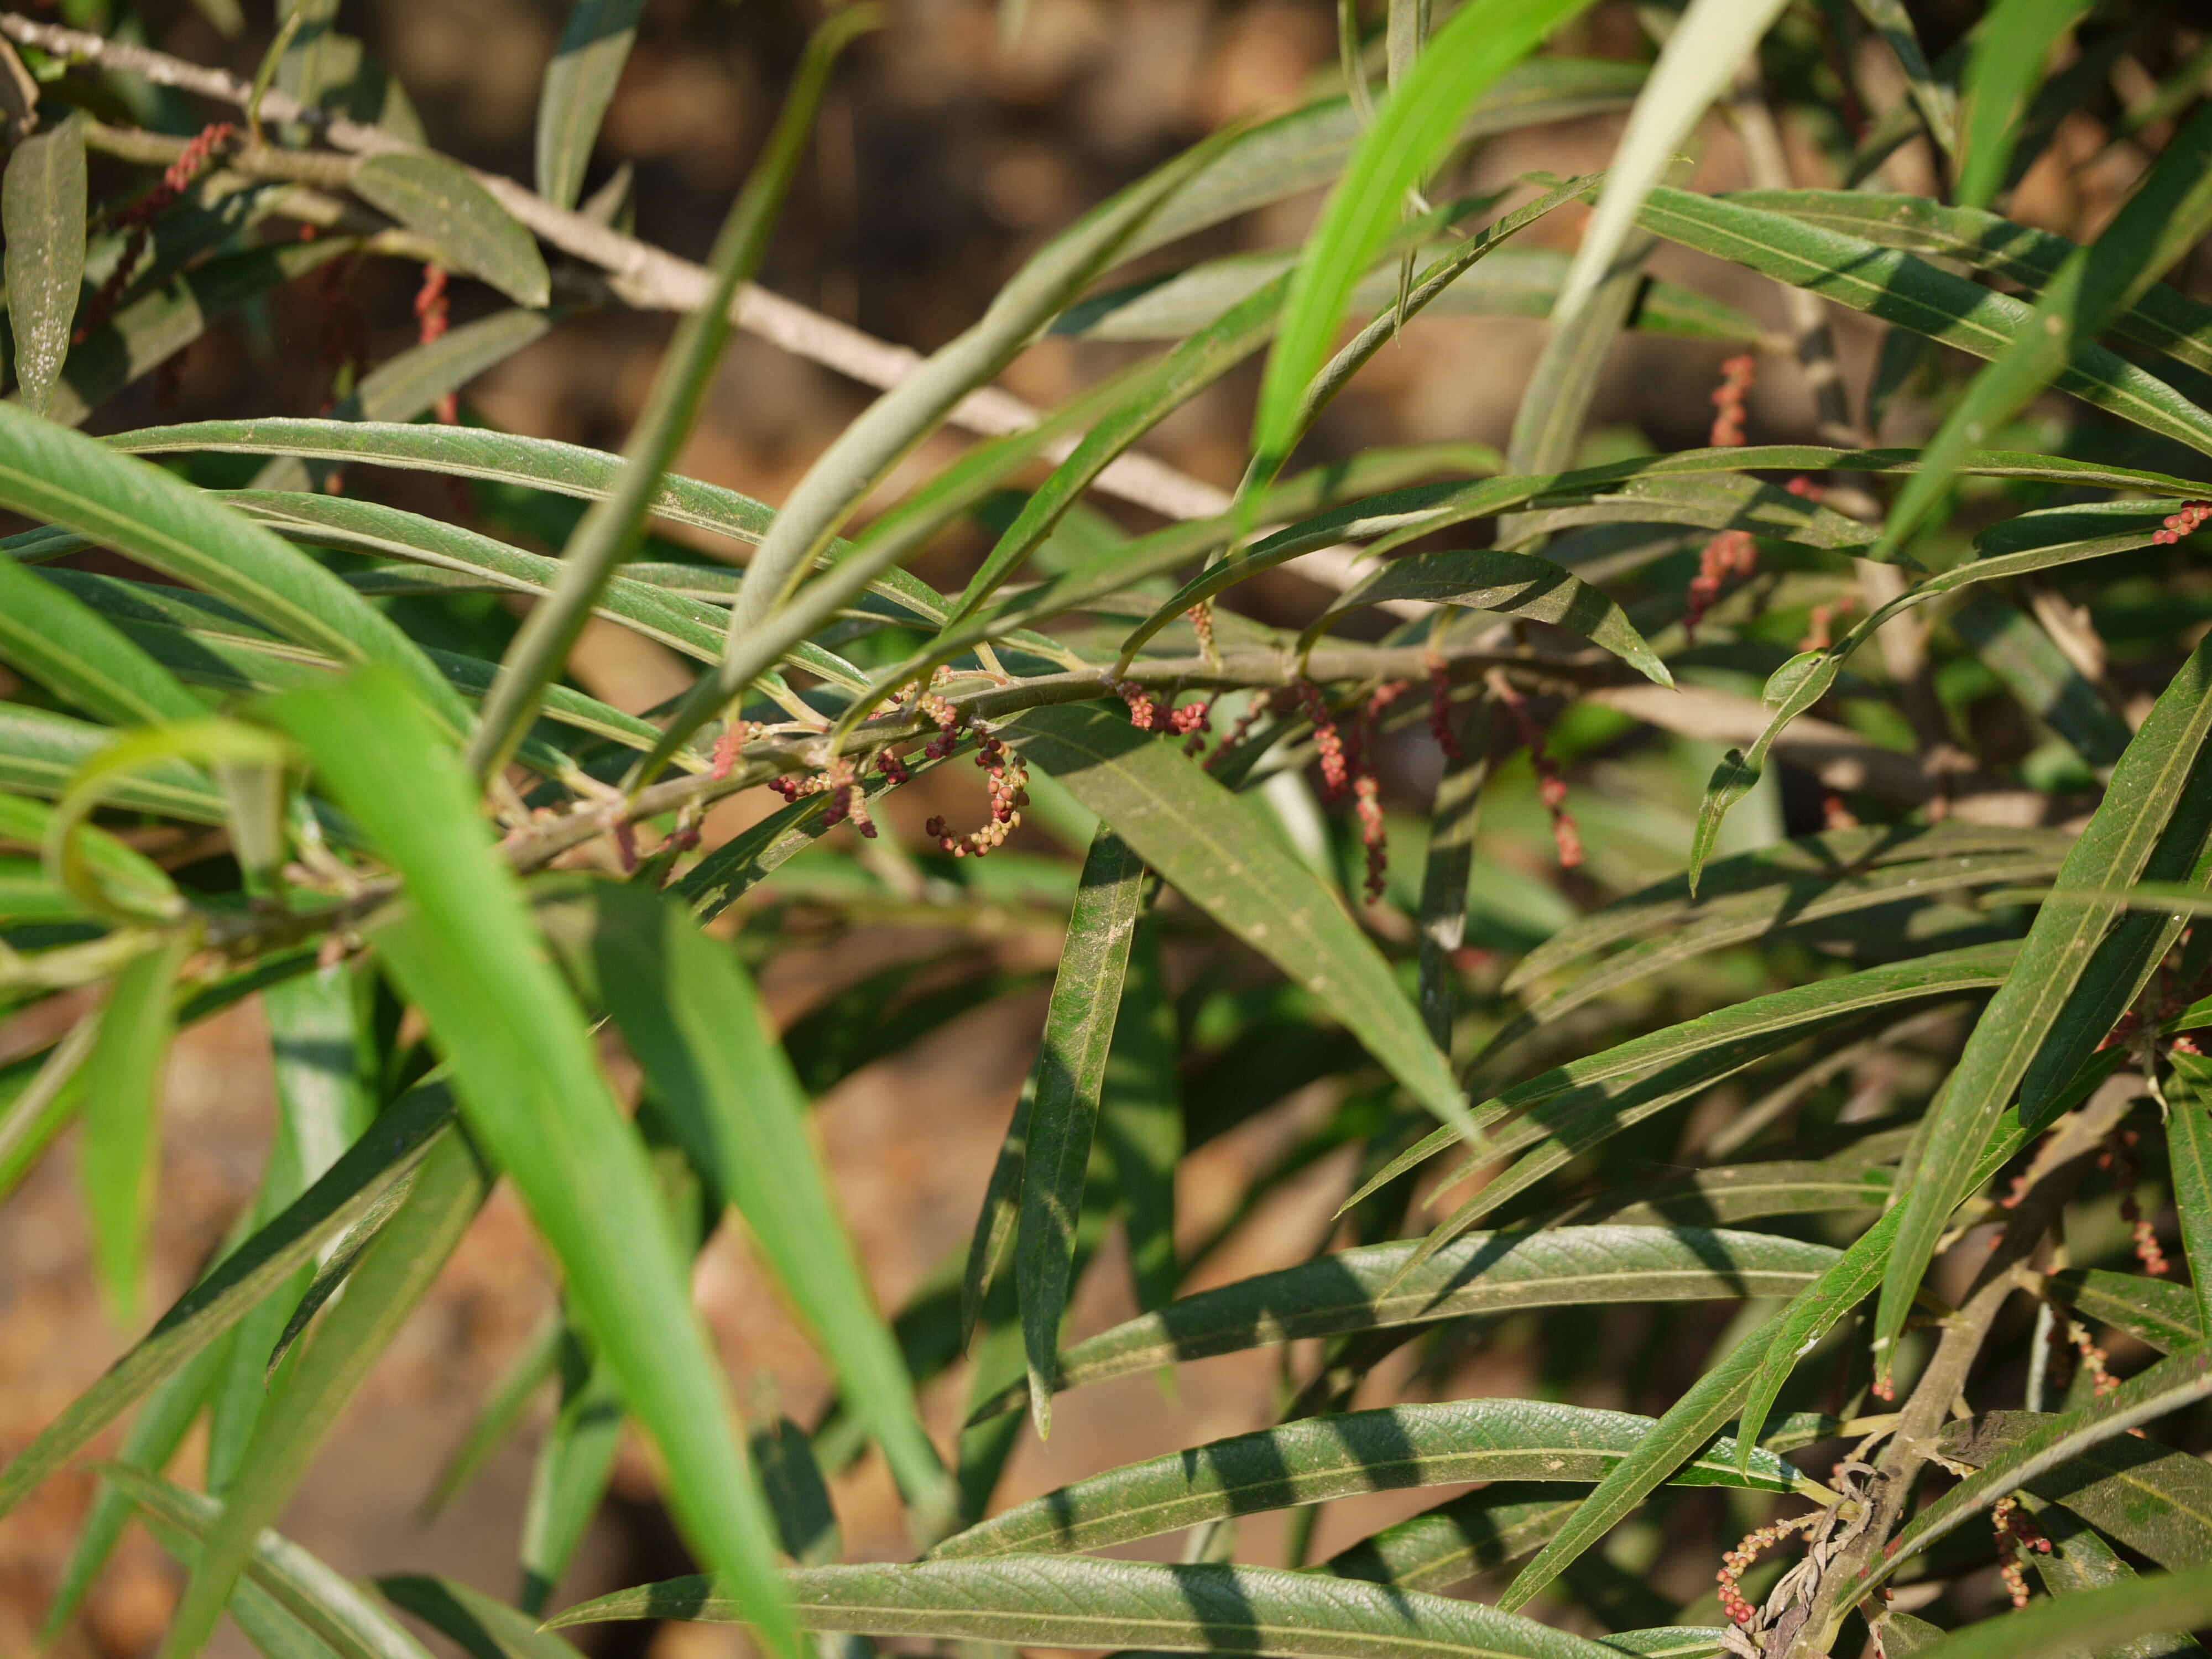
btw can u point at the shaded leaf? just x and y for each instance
(1374, 1288)
(1212, 846)
(437, 199)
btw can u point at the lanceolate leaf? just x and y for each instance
(1212, 846)
(42, 214)
(1322, 1457)
(1709, 41)
(1708, 1046)
(122, 1089)
(482, 1628)
(609, 531)
(396, 1143)
(2153, 1499)
(2002, 72)
(394, 1274)
(2160, 318)
(695, 1023)
(1060, 1603)
(63, 479)
(2079, 1560)
(1456, 1540)
(2189, 1149)
(2100, 1620)
(68, 647)
(477, 237)
(2155, 1311)
(1371, 1289)
(1071, 1072)
(1469, 54)
(328, 1603)
(2177, 1381)
(1912, 294)
(2146, 787)
(578, 84)
(1510, 584)
(2165, 217)
(1747, 1380)
(465, 950)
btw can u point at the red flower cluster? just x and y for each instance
(1550, 785)
(1732, 552)
(1201, 624)
(1009, 787)
(2120, 1157)
(1819, 626)
(2184, 523)
(727, 747)
(1737, 374)
(139, 218)
(2101, 1381)
(1191, 721)
(433, 318)
(1737, 1560)
(2016, 1536)
(1440, 720)
(1335, 769)
(1367, 789)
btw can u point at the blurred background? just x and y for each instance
(944, 157)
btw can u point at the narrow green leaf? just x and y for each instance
(695, 1025)
(579, 85)
(1834, 855)
(155, 1435)
(1562, 1103)
(1318, 1458)
(61, 477)
(1308, 148)
(1071, 1072)
(1481, 42)
(330, 1605)
(437, 199)
(1706, 48)
(275, 1633)
(1196, 364)
(2155, 1312)
(2160, 319)
(2145, 788)
(1912, 294)
(478, 1625)
(1461, 1537)
(394, 1274)
(122, 1118)
(1373, 1288)
(1057, 1602)
(2177, 1381)
(1482, 276)
(73, 652)
(331, 1276)
(42, 220)
(1213, 845)
(1747, 1380)
(2019, 651)
(396, 1143)
(1937, 103)
(995, 1221)
(611, 530)
(769, 612)
(2189, 1149)
(2002, 72)
(2081, 1560)
(805, 1519)
(570, 1478)
(1141, 1121)
(2156, 1500)
(1507, 584)
(2165, 217)
(465, 951)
